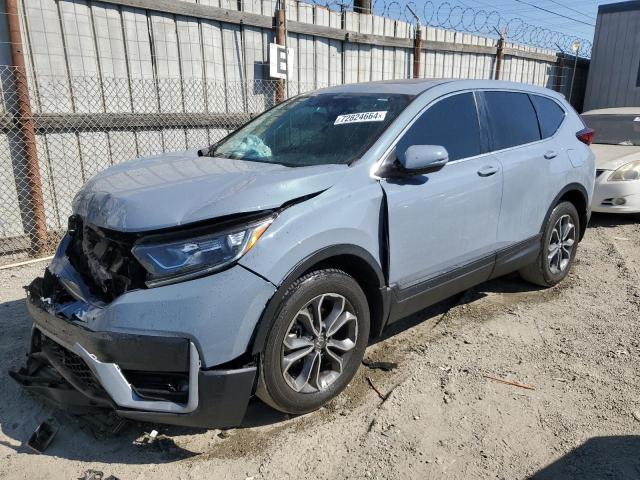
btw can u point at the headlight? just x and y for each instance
(627, 172)
(168, 261)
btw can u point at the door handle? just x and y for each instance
(549, 154)
(487, 170)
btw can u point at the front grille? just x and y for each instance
(104, 260)
(74, 366)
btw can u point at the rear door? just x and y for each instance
(534, 165)
(446, 220)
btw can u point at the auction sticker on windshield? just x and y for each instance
(360, 117)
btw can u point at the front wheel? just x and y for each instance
(316, 343)
(558, 249)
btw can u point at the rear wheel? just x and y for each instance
(316, 343)
(558, 249)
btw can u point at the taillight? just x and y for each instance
(586, 135)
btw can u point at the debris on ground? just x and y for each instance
(168, 445)
(509, 382)
(96, 475)
(163, 444)
(385, 396)
(385, 366)
(102, 424)
(91, 475)
(42, 436)
(146, 438)
(375, 389)
(636, 415)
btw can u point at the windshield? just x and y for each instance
(615, 129)
(314, 130)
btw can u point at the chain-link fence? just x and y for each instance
(110, 121)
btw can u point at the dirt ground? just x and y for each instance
(577, 346)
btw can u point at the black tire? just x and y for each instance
(540, 272)
(272, 388)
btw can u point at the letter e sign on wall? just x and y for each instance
(280, 61)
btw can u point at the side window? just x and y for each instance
(452, 123)
(550, 115)
(512, 119)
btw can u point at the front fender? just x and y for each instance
(335, 217)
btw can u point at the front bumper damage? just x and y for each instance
(142, 377)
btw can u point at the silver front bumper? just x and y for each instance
(111, 378)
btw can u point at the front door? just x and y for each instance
(443, 225)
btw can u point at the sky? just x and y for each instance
(582, 13)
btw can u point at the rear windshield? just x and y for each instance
(314, 129)
(615, 129)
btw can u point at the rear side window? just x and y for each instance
(452, 123)
(550, 115)
(512, 119)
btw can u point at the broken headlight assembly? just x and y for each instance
(170, 259)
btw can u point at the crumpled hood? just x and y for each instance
(612, 157)
(179, 188)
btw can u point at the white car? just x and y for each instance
(617, 148)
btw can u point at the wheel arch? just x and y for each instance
(576, 194)
(352, 259)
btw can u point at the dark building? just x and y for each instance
(614, 73)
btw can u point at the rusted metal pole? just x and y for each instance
(499, 57)
(417, 51)
(280, 40)
(24, 121)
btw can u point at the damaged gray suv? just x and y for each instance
(187, 283)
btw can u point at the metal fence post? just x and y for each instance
(417, 44)
(499, 57)
(417, 51)
(24, 120)
(281, 39)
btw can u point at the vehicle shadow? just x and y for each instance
(611, 220)
(78, 438)
(599, 457)
(511, 283)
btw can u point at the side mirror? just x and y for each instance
(420, 159)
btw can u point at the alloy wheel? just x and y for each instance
(318, 343)
(561, 243)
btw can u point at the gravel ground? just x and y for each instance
(577, 346)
